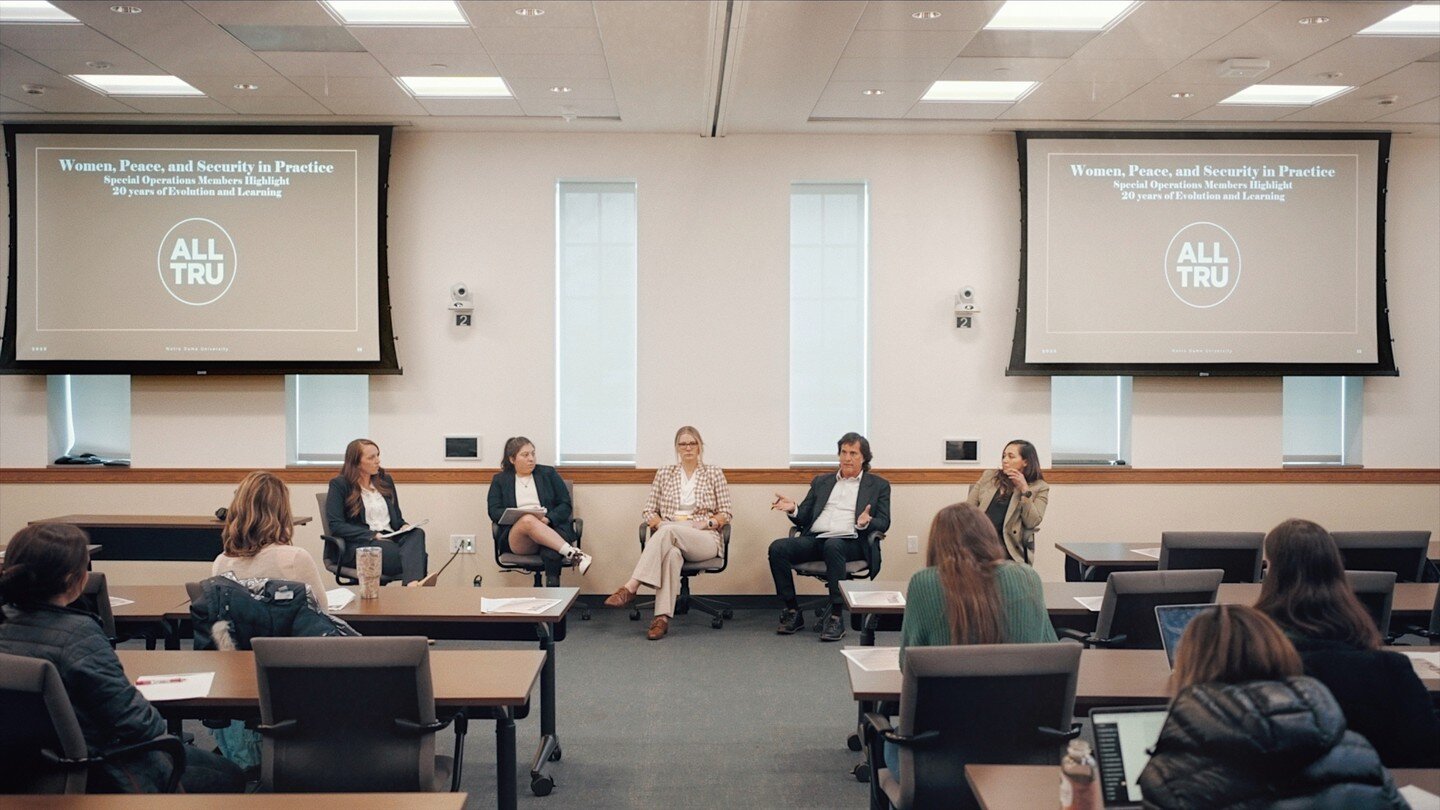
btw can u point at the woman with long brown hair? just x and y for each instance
(1305, 591)
(362, 505)
(1014, 498)
(257, 537)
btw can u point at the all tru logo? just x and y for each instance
(1202, 264)
(196, 261)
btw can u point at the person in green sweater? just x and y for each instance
(970, 593)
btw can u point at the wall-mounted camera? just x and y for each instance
(965, 308)
(460, 300)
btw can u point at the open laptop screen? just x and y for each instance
(1173, 619)
(1123, 739)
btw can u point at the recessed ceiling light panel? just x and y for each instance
(136, 85)
(32, 11)
(1059, 15)
(122, 9)
(1415, 21)
(396, 12)
(1316, 20)
(455, 86)
(1289, 95)
(977, 91)
(925, 15)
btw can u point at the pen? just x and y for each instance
(152, 681)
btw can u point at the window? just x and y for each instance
(1090, 420)
(323, 413)
(595, 322)
(88, 413)
(1322, 420)
(829, 313)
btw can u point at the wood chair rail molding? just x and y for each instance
(749, 475)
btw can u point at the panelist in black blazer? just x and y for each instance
(839, 514)
(362, 504)
(523, 483)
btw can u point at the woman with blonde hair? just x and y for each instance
(689, 504)
(1246, 729)
(257, 537)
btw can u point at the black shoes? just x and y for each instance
(834, 629)
(791, 621)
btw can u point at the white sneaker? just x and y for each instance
(581, 561)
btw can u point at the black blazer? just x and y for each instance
(554, 496)
(874, 493)
(351, 526)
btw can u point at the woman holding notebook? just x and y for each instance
(363, 510)
(539, 502)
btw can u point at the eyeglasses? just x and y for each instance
(687, 444)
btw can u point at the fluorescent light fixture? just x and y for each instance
(136, 85)
(455, 86)
(1415, 21)
(977, 91)
(397, 12)
(1291, 95)
(32, 11)
(1059, 15)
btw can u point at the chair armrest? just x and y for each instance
(1423, 632)
(336, 543)
(68, 762)
(644, 534)
(167, 744)
(1072, 634)
(414, 729)
(1055, 735)
(282, 729)
(1112, 641)
(878, 721)
(882, 726)
(578, 526)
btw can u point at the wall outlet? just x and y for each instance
(912, 544)
(463, 543)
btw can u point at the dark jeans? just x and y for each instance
(204, 773)
(835, 551)
(401, 556)
(207, 772)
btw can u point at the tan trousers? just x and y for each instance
(669, 547)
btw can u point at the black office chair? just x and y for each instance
(717, 610)
(1403, 552)
(1431, 633)
(854, 569)
(1009, 704)
(42, 749)
(341, 715)
(1376, 591)
(1238, 554)
(532, 563)
(1127, 614)
(96, 599)
(335, 550)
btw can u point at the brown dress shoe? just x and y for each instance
(620, 598)
(658, 628)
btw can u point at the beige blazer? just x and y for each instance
(1022, 518)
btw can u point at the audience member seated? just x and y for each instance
(1014, 497)
(362, 505)
(838, 514)
(969, 593)
(523, 484)
(1246, 729)
(257, 534)
(45, 570)
(689, 504)
(1305, 591)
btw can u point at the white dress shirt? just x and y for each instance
(377, 512)
(839, 512)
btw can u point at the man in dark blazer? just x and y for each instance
(839, 515)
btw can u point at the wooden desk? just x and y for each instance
(493, 680)
(153, 537)
(155, 613)
(1025, 787)
(1122, 556)
(246, 801)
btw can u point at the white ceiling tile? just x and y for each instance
(263, 12)
(254, 104)
(540, 40)
(539, 66)
(61, 94)
(895, 92)
(296, 65)
(1028, 110)
(170, 34)
(1102, 93)
(416, 39)
(179, 106)
(422, 64)
(1276, 34)
(270, 84)
(958, 110)
(994, 69)
(1426, 112)
(875, 44)
(472, 106)
(319, 87)
(493, 14)
(402, 104)
(1153, 103)
(852, 109)
(1207, 71)
(1359, 59)
(1169, 32)
(10, 105)
(1241, 112)
(1338, 111)
(1105, 70)
(1038, 44)
(894, 15)
(53, 38)
(580, 89)
(584, 108)
(889, 70)
(122, 61)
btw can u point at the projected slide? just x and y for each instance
(1176, 251)
(196, 247)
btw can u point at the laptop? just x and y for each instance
(1123, 739)
(1173, 619)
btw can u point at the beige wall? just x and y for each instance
(479, 207)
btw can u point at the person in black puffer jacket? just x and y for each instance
(1247, 730)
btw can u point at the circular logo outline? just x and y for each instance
(234, 263)
(1165, 265)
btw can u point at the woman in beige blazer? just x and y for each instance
(1014, 498)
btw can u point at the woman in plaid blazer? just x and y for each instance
(689, 503)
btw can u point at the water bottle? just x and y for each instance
(1080, 779)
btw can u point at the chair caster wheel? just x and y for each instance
(634, 615)
(717, 623)
(585, 615)
(555, 755)
(861, 772)
(727, 613)
(853, 742)
(542, 785)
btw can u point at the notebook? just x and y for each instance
(1123, 739)
(1173, 620)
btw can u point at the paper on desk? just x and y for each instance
(1426, 664)
(175, 687)
(338, 598)
(1090, 603)
(877, 599)
(120, 601)
(525, 605)
(1419, 798)
(1152, 553)
(874, 659)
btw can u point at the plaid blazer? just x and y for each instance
(712, 493)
